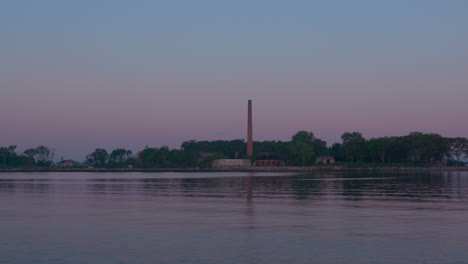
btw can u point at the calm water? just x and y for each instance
(233, 218)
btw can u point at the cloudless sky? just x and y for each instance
(76, 75)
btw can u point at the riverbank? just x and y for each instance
(236, 169)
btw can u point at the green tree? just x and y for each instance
(229, 149)
(302, 154)
(99, 158)
(303, 136)
(7, 156)
(120, 157)
(44, 156)
(30, 153)
(379, 149)
(319, 146)
(458, 148)
(155, 157)
(147, 157)
(40, 156)
(354, 147)
(427, 148)
(335, 150)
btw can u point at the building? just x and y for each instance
(325, 160)
(68, 163)
(231, 163)
(269, 161)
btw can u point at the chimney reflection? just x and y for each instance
(250, 187)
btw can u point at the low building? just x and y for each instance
(267, 160)
(325, 160)
(231, 163)
(68, 163)
(269, 163)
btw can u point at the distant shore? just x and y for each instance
(234, 169)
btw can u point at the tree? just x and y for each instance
(319, 146)
(119, 157)
(427, 148)
(44, 156)
(354, 147)
(8, 156)
(302, 154)
(163, 153)
(30, 153)
(154, 157)
(335, 150)
(379, 149)
(458, 148)
(228, 149)
(303, 136)
(41, 155)
(99, 158)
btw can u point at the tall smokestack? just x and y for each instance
(249, 132)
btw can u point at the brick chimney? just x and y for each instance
(250, 132)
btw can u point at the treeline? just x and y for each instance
(40, 156)
(415, 148)
(425, 149)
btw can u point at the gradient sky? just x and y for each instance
(76, 75)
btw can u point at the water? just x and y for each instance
(233, 218)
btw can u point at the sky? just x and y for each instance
(80, 75)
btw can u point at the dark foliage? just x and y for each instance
(415, 149)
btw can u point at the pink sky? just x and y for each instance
(76, 78)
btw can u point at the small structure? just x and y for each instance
(68, 163)
(266, 160)
(231, 163)
(325, 160)
(269, 163)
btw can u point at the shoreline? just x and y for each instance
(238, 169)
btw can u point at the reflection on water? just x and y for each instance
(434, 186)
(233, 217)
